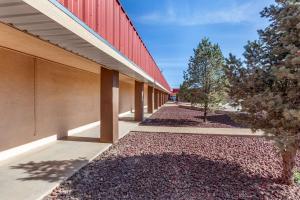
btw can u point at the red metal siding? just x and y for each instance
(117, 10)
(89, 13)
(126, 30)
(101, 18)
(122, 32)
(130, 42)
(108, 19)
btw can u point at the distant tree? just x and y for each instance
(184, 93)
(234, 70)
(268, 86)
(204, 77)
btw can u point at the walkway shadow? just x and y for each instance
(167, 176)
(81, 139)
(50, 171)
(169, 122)
(126, 119)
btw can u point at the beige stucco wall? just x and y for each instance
(16, 99)
(40, 98)
(126, 95)
(66, 98)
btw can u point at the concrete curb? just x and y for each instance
(202, 131)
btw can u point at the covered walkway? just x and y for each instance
(36, 173)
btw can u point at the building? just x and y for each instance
(174, 93)
(68, 63)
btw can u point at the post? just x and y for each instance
(109, 104)
(159, 98)
(155, 99)
(150, 99)
(139, 101)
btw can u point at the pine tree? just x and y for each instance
(268, 86)
(205, 75)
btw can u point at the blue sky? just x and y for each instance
(172, 28)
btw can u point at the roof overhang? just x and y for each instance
(52, 22)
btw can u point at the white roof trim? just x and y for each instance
(68, 21)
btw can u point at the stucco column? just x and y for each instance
(109, 106)
(138, 101)
(159, 98)
(155, 99)
(150, 99)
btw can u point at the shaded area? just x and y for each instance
(221, 119)
(169, 122)
(168, 166)
(164, 176)
(50, 171)
(81, 139)
(127, 119)
(188, 116)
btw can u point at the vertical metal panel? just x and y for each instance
(76, 7)
(143, 57)
(117, 10)
(133, 46)
(122, 32)
(130, 42)
(101, 17)
(110, 21)
(126, 30)
(139, 52)
(90, 13)
(136, 40)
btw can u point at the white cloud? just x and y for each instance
(185, 15)
(172, 64)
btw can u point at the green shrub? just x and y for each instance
(297, 177)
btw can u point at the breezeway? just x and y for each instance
(34, 174)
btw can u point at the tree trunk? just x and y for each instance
(288, 163)
(205, 112)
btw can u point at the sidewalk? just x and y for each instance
(36, 173)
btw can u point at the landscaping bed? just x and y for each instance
(181, 166)
(188, 116)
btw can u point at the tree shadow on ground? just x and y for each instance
(169, 122)
(213, 121)
(50, 171)
(191, 108)
(166, 176)
(221, 119)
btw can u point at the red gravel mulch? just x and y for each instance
(179, 166)
(183, 117)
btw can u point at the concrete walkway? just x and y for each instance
(34, 174)
(195, 130)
